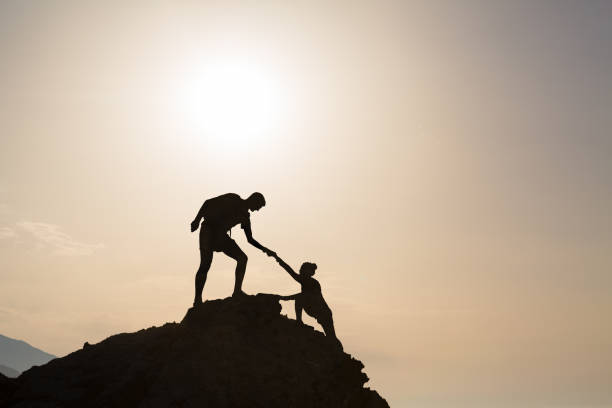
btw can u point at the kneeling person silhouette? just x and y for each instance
(310, 298)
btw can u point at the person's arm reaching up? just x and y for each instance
(286, 267)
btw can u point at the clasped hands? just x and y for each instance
(269, 252)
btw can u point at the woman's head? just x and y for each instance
(308, 269)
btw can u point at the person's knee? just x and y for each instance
(206, 255)
(242, 259)
(205, 263)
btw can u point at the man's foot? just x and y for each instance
(238, 293)
(197, 302)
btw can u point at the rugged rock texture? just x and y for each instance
(225, 353)
(7, 387)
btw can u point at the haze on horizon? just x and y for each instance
(448, 167)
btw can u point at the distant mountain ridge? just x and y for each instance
(9, 371)
(20, 356)
(234, 352)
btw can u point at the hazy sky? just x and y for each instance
(448, 165)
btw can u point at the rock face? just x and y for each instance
(234, 352)
(7, 387)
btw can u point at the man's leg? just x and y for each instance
(206, 256)
(232, 250)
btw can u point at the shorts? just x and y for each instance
(215, 240)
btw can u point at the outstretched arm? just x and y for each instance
(286, 267)
(290, 297)
(249, 235)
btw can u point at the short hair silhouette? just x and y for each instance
(257, 198)
(308, 268)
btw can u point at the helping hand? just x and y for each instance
(269, 252)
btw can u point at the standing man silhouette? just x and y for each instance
(220, 214)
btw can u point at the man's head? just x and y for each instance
(308, 269)
(256, 201)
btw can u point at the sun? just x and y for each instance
(233, 102)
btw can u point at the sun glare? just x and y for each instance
(233, 102)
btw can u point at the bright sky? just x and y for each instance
(447, 166)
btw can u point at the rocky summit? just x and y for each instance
(233, 352)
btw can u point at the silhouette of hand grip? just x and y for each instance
(269, 252)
